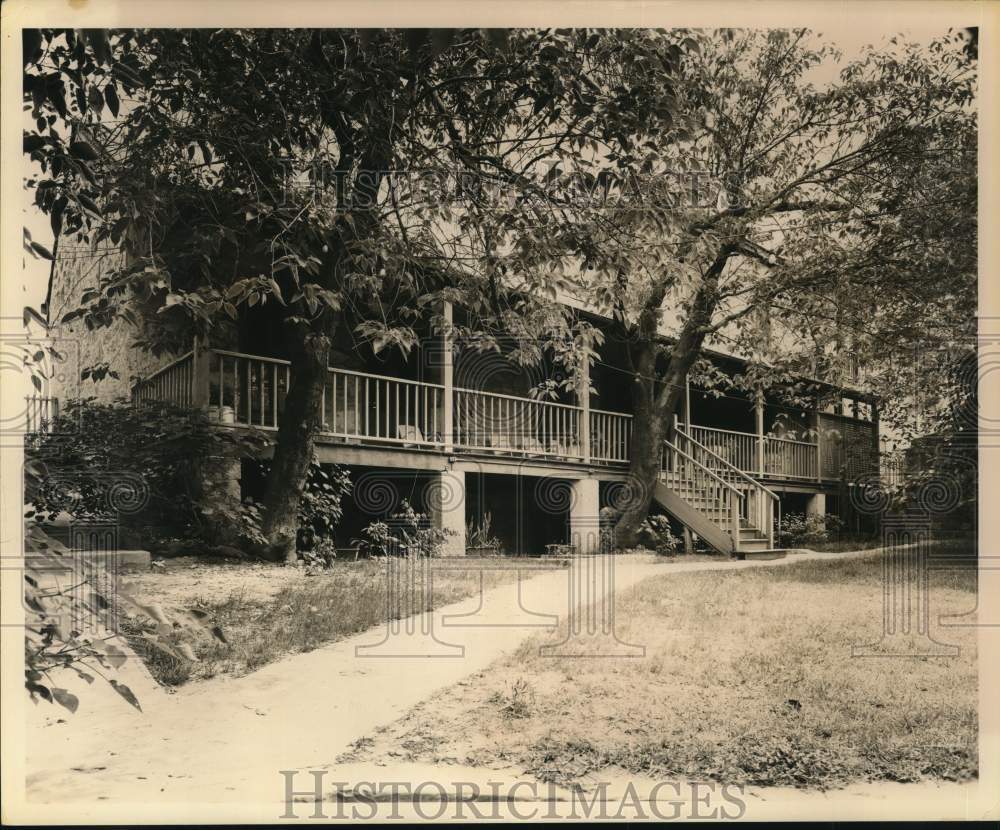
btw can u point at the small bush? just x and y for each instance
(407, 533)
(799, 529)
(657, 534)
(517, 702)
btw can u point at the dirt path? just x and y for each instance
(214, 750)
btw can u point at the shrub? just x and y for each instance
(799, 529)
(320, 509)
(140, 467)
(407, 533)
(656, 533)
(479, 535)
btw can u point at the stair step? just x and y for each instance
(754, 544)
(751, 533)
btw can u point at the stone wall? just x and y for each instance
(78, 267)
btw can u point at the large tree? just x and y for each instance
(802, 192)
(208, 128)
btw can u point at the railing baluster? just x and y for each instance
(274, 395)
(262, 377)
(367, 407)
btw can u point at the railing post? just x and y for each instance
(873, 403)
(687, 402)
(758, 408)
(583, 401)
(448, 377)
(734, 516)
(200, 373)
(819, 444)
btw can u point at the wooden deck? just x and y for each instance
(366, 410)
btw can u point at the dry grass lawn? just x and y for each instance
(268, 611)
(748, 676)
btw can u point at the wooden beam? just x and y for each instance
(583, 401)
(448, 377)
(759, 418)
(687, 401)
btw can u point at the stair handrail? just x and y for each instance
(736, 498)
(705, 469)
(728, 464)
(757, 485)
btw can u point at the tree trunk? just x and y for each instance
(293, 452)
(651, 424)
(653, 407)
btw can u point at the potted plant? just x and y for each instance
(479, 541)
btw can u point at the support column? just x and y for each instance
(583, 401)
(585, 516)
(448, 507)
(816, 506)
(448, 381)
(758, 408)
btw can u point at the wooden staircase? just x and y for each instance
(731, 511)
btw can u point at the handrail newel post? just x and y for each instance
(734, 516)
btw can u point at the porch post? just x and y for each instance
(448, 378)
(585, 516)
(817, 422)
(449, 509)
(875, 441)
(200, 369)
(759, 417)
(816, 506)
(583, 401)
(687, 402)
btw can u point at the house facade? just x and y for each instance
(457, 433)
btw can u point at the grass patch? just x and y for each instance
(845, 544)
(306, 612)
(748, 677)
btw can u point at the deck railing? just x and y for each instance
(173, 383)
(892, 469)
(610, 436)
(39, 413)
(250, 390)
(738, 448)
(504, 423)
(247, 390)
(360, 407)
(789, 459)
(783, 457)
